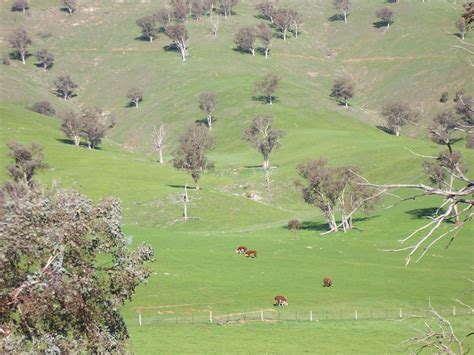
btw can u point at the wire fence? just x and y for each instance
(285, 314)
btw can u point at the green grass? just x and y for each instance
(196, 263)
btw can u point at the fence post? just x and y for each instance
(210, 316)
(139, 319)
(356, 317)
(261, 315)
(400, 314)
(310, 316)
(454, 310)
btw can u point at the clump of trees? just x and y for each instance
(179, 37)
(69, 6)
(190, 156)
(343, 89)
(397, 115)
(207, 104)
(45, 59)
(20, 5)
(263, 137)
(267, 87)
(343, 6)
(245, 39)
(135, 95)
(44, 108)
(20, 40)
(386, 16)
(55, 294)
(65, 86)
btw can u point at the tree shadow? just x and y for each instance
(143, 38)
(379, 24)
(40, 66)
(313, 226)
(182, 187)
(337, 17)
(264, 99)
(252, 166)
(70, 96)
(71, 142)
(386, 130)
(171, 48)
(65, 9)
(203, 122)
(241, 51)
(422, 213)
(16, 56)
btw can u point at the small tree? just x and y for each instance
(44, 108)
(197, 8)
(164, 17)
(245, 39)
(214, 25)
(462, 27)
(385, 15)
(20, 40)
(227, 6)
(72, 126)
(135, 95)
(20, 5)
(179, 36)
(180, 10)
(263, 137)
(296, 21)
(267, 86)
(65, 86)
(294, 226)
(397, 115)
(190, 156)
(45, 59)
(148, 27)
(342, 6)
(266, 10)
(207, 104)
(93, 127)
(158, 136)
(265, 35)
(465, 110)
(443, 126)
(343, 89)
(27, 161)
(283, 19)
(69, 5)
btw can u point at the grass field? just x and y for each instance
(196, 269)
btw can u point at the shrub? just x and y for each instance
(44, 108)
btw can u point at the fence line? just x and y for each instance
(285, 314)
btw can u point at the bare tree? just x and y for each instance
(65, 86)
(214, 25)
(263, 137)
(27, 161)
(296, 21)
(148, 27)
(342, 6)
(184, 198)
(158, 136)
(267, 10)
(397, 115)
(190, 156)
(45, 59)
(180, 10)
(343, 89)
(227, 6)
(208, 6)
(283, 20)
(197, 8)
(20, 40)
(207, 104)
(245, 39)
(179, 36)
(267, 87)
(20, 5)
(71, 126)
(43, 108)
(93, 127)
(69, 5)
(135, 95)
(265, 34)
(385, 15)
(164, 17)
(462, 27)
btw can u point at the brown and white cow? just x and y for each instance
(280, 301)
(327, 282)
(241, 250)
(251, 254)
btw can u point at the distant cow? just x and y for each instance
(241, 250)
(251, 254)
(327, 282)
(280, 301)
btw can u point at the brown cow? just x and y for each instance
(251, 254)
(241, 250)
(280, 301)
(327, 282)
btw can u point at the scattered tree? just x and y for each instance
(245, 39)
(197, 8)
(263, 137)
(164, 17)
(135, 95)
(27, 162)
(397, 115)
(148, 26)
(226, 6)
(20, 5)
(267, 10)
(93, 127)
(342, 6)
(190, 156)
(265, 35)
(20, 40)
(69, 5)
(442, 128)
(44, 58)
(208, 6)
(44, 108)
(294, 226)
(207, 104)
(65, 86)
(343, 89)
(268, 86)
(385, 15)
(469, 12)
(462, 27)
(296, 21)
(179, 36)
(283, 19)
(465, 110)
(72, 126)
(158, 136)
(214, 25)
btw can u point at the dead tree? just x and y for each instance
(158, 136)
(214, 25)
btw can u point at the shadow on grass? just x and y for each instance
(264, 99)
(71, 142)
(337, 17)
(182, 187)
(386, 130)
(421, 213)
(379, 24)
(324, 227)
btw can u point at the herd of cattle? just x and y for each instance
(278, 300)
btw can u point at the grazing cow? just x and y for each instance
(280, 301)
(327, 282)
(251, 254)
(241, 250)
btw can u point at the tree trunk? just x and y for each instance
(266, 163)
(346, 104)
(266, 53)
(388, 25)
(89, 145)
(183, 54)
(345, 16)
(270, 100)
(23, 57)
(284, 34)
(136, 103)
(160, 154)
(296, 31)
(77, 141)
(45, 67)
(397, 133)
(151, 39)
(209, 122)
(462, 36)
(252, 50)
(65, 96)
(185, 203)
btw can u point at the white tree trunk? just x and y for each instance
(266, 53)
(23, 57)
(345, 16)
(185, 203)
(160, 154)
(209, 122)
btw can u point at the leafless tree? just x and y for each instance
(135, 95)
(385, 15)
(283, 20)
(158, 136)
(263, 137)
(227, 6)
(164, 17)
(245, 39)
(45, 59)
(296, 21)
(180, 10)
(267, 10)
(267, 87)
(71, 126)
(179, 36)
(207, 104)
(343, 89)
(20, 5)
(65, 86)
(20, 40)
(69, 5)
(265, 34)
(397, 115)
(214, 25)
(148, 27)
(342, 6)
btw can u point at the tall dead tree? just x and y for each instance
(158, 136)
